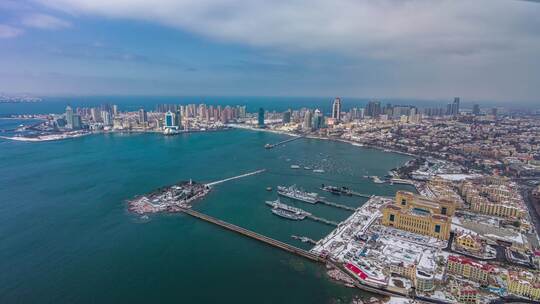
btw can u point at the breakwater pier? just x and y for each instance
(259, 237)
(270, 146)
(235, 177)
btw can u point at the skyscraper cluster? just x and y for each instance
(373, 109)
(205, 112)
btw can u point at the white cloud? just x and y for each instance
(42, 21)
(479, 48)
(8, 31)
(384, 28)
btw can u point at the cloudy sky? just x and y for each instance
(477, 49)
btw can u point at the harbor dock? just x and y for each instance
(321, 220)
(336, 205)
(343, 191)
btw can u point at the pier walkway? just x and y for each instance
(235, 177)
(347, 192)
(254, 235)
(336, 205)
(321, 220)
(270, 146)
(360, 194)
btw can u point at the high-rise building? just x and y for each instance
(76, 122)
(242, 111)
(142, 116)
(373, 109)
(260, 119)
(361, 113)
(476, 109)
(287, 116)
(202, 111)
(178, 119)
(69, 117)
(169, 120)
(318, 120)
(336, 109)
(389, 110)
(399, 111)
(453, 108)
(115, 110)
(94, 114)
(106, 117)
(307, 121)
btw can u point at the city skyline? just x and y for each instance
(356, 49)
(235, 151)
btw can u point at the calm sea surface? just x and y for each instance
(66, 237)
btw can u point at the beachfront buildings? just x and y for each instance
(419, 215)
(469, 269)
(468, 242)
(524, 284)
(494, 196)
(466, 294)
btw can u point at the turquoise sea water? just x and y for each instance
(66, 237)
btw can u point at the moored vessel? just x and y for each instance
(336, 190)
(277, 204)
(297, 194)
(288, 214)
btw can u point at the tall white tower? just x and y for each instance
(336, 109)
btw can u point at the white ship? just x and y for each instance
(297, 194)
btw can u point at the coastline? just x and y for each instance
(351, 142)
(67, 135)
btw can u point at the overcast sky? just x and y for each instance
(476, 49)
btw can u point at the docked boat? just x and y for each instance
(297, 194)
(288, 215)
(336, 190)
(377, 180)
(318, 171)
(277, 204)
(295, 167)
